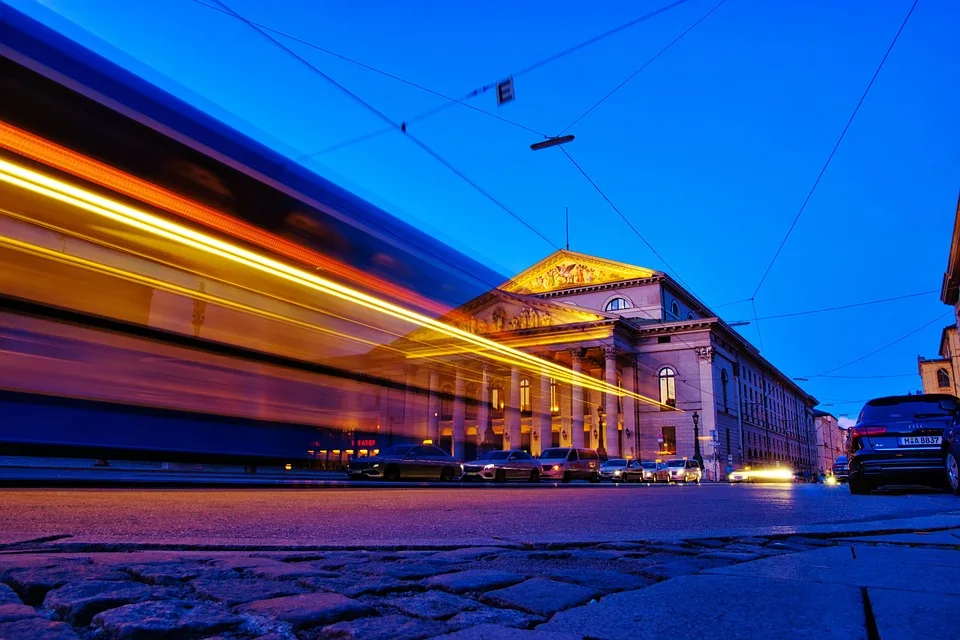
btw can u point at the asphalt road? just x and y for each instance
(382, 515)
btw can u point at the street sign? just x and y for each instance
(729, 457)
(505, 91)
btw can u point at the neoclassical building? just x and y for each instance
(682, 370)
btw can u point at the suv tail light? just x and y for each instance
(859, 432)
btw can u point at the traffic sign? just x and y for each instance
(505, 91)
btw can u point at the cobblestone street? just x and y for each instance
(554, 591)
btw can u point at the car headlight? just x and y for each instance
(375, 466)
(617, 472)
(556, 467)
(488, 466)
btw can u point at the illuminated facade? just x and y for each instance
(635, 330)
(938, 375)
(831, 440)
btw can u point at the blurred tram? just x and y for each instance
(172, 289)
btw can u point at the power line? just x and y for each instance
(835, 147)
(642, 67)
(756, 321)
(894, 375)
(459, 101)
(396, 125)
(487, 87)
(620, 213)
(886, 346)
(846, 306)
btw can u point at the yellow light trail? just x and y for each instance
(95, 203)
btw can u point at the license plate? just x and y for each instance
(920, 440)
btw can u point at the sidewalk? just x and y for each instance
(900, 585)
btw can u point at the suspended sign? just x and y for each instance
(505, 91)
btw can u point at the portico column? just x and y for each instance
(459, 416)
(542, 418)
(708, 411)
(511, 430)
(433, 408)
(412, 403)
(611, 441)
(563, 391)
(576, 422)
(630, 435)
(483, 411)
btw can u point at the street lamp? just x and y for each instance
(551, 142)
(696, 439)
(601, 450)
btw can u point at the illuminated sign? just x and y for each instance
(363, 443)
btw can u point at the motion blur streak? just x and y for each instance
(58, 157)
(94, 203)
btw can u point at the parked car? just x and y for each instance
(951, 456)
(567, 463)
(899, 440)
(403, 461)
(765, 474)
(640, 472)
(501, 466)
(615, 469)
(683, 471)
(840, 470)
(662, 474)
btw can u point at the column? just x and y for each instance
(483, 411)
(542, 420)
(411, 407)
(591, 400)
(563, 390)
(610, 437)
(630, 435)
(511, 423)
(576, 422)
(459, 416)
(708, 412)
(433, 408)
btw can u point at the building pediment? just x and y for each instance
(565, 269)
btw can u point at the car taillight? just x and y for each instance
(859, 432)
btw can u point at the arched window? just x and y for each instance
(554, 397)
(617, 304)
(675, 309)
(668, 386)
(943, 379)
(723, 381)
(689, 315)
(446, 402)
(496, 398)
(525, 395)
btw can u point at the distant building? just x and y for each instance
(938, 375)
(626, 326)
(831, 440)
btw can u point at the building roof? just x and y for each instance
(819, 413)
(565, 269)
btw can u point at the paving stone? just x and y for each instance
(166, 573)
(742, 608)
(8, 595)
(753, 540)
(732, 556)
(545, 555)
(668, 570)
(919, 538)
(408, 570)
(13, 612)
(489, 615)
(383, 628)
(282, 571)
(434, 605)
(473, 580)
(603, 580)
(542, 597)
(466, 554)
(935, 557)
(78, 602)
(682, 549)
(242, 562)
(592, 555)
(379, 587)
(165, 619)
(32, 584)
(814, 542)
(37, 629)
(754, 549)
(709, 543)
(500, 632)
(789, 546)
(622, 546)
(902, 615)
(311, 609)
(242, 590)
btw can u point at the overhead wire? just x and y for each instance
(836, 146)
(845, 306)
(641, 68)
(396, 125)
(884, 347)
(490, 86)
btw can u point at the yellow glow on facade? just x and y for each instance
(57, 189)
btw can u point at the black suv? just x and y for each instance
(897, 440)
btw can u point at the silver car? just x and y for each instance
(501, 466)
(616, 469)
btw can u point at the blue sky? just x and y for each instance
(709, 151)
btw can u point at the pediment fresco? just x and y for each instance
(566, 269)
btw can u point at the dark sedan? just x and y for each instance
(899, 440)
(407, 461)
(951, 456)
(840, 470)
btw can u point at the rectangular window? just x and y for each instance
(669, 435)
(663, 339)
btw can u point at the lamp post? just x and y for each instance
(601, 450)
(696, 439)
